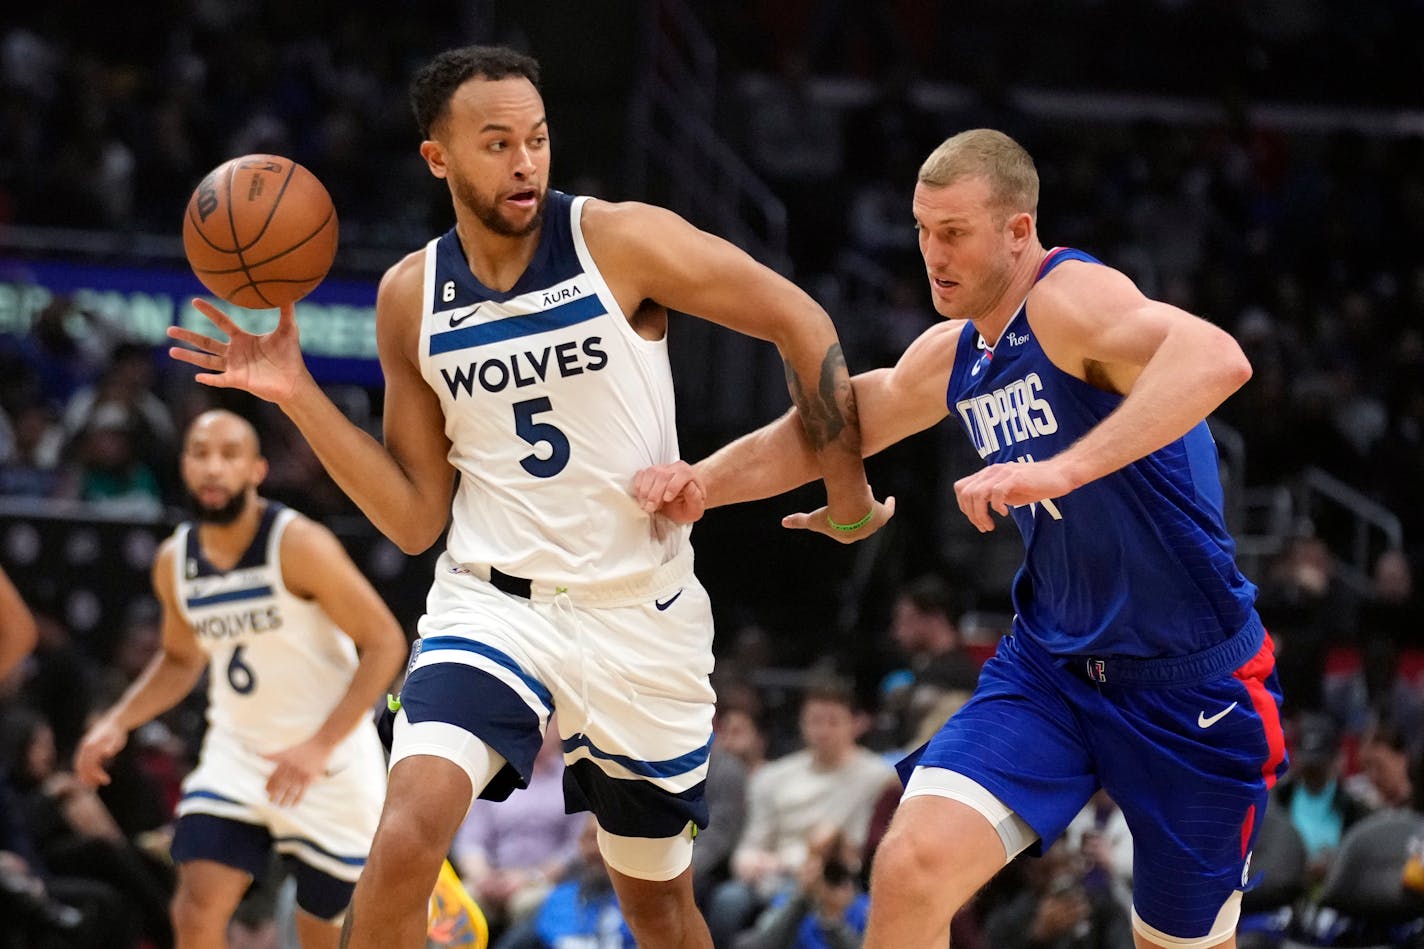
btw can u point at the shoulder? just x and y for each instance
(926, 363)
(1079, 289)
(162, 572)
(404, 280)
(303, 537)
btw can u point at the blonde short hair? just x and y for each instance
(1012, 177)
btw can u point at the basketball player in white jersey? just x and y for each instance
(298, 648)
(526, 351)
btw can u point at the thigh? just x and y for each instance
(330, 829)
(636, 716)
(1192, 769)
(1020, 737)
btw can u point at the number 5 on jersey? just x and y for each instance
(536, 433)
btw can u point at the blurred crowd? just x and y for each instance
(1299, 239)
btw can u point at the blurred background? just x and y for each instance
(1258, 162)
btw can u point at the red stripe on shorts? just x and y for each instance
(1252, 674)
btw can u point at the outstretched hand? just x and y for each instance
(674, 490)
(819, 521)
(269, 365)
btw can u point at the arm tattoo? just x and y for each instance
(821, 414)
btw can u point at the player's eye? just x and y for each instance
(497, 146)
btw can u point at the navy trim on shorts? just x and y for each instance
(319, 893)
(670, 767)
(308, 842)
(430, 643)
(631, 808)
(482, 704)
(232, 843)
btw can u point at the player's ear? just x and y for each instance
(434, 155)
(259, 470)
(1021, 227)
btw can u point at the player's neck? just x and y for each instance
(1022, 276)
(224, 544)
(496, 260)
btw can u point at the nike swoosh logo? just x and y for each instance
(457, 320)
(664, 604)
(1204, 722)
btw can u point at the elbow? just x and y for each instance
(1235, 367)
(415, 535)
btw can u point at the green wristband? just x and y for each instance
(851, 527)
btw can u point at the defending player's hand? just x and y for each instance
(297, 767)
(102, 741)
(673, 490)
(819, 521)
(269, 365)
(1011, 484)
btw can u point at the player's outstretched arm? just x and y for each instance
(649, 253)
(17, 627)
(169, 676)
(404, 485)
(894, 404)
(317, 567)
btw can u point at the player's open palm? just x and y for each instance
(269, 365)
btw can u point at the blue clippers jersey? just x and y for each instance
(1137, 563)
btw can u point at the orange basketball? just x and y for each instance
(260, 231)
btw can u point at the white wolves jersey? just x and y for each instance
(277, 664)
(552, 404)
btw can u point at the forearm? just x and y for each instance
(162, 685)
(374, 674)
(761, 464)
(824, 398)
(1181, 385)
(365, 470)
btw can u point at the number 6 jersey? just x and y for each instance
(277, 664)
(552, 404)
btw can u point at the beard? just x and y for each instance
(222, 514)
(489, 214)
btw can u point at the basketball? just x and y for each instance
(260, 231)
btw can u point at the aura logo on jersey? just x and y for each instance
(533, 366)
(1010, 415)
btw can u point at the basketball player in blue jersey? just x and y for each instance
(298, 649)
(525, 350)
(1136, 662)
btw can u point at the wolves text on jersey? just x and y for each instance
(527, 368)
(1011, 414)
(262, 619)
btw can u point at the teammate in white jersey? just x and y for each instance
(526, 351)
(298, 648)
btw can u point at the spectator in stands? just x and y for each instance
(125, 391)
(39, 907)
(1313, 795)
(727, 819)
(1101, 837)
(1308, 609)
(106, 469)
(511, 854)
(831, 782)
(74, 832)
(581, 911)
(827, 909)
(1391, 619)
(924, 628)
(740, 734)
(1057, 910)
(1384, 779)
(33, 466)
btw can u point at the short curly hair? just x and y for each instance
(437, 80)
